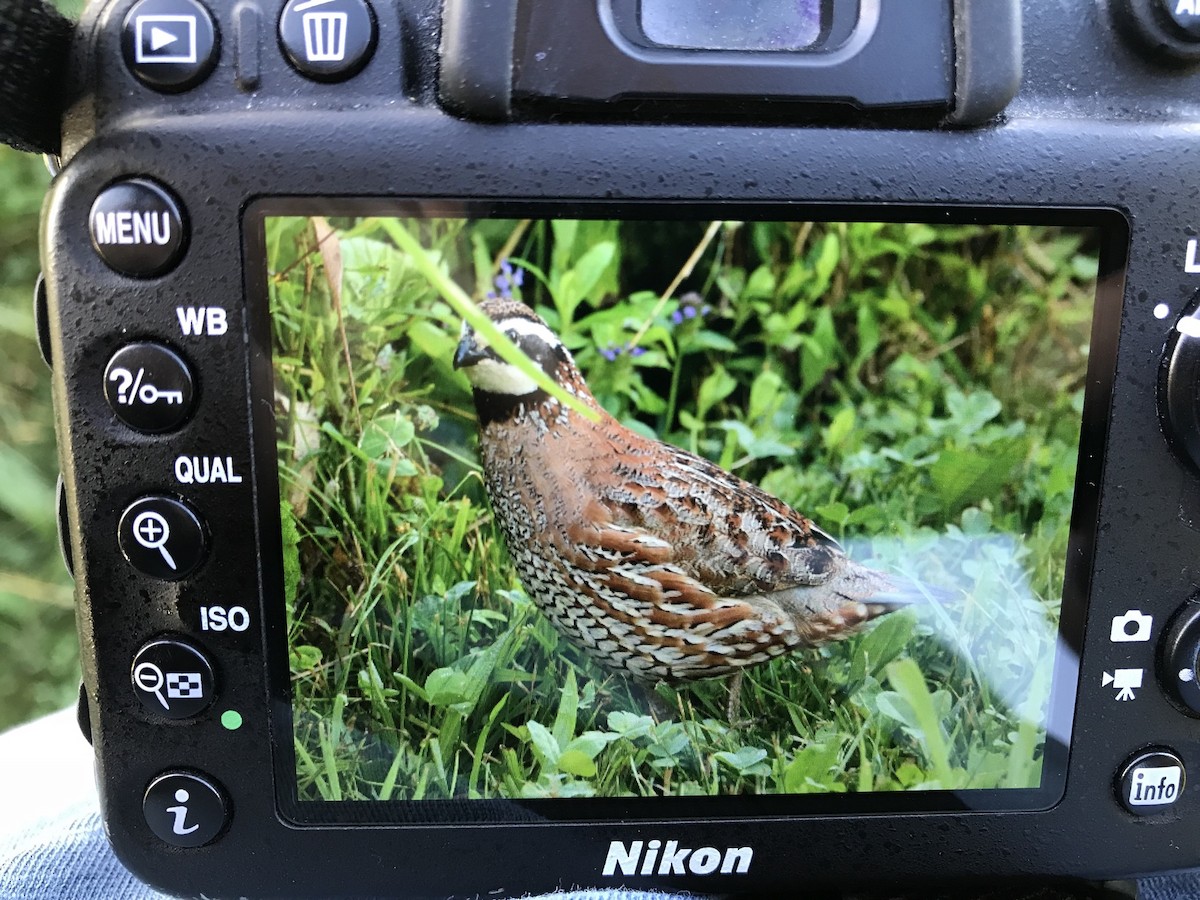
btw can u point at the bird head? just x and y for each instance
(489, 373)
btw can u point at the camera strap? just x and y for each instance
(34, 43)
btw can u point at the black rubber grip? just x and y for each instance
(35, 42)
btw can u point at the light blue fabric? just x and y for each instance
(52, 845)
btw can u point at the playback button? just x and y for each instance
(162, 537)
(169, 45)
(149, 387)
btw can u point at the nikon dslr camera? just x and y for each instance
(679, 444)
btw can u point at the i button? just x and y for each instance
(137, 228)
(185, 809)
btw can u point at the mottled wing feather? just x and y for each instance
(670, 625)
(726, 533)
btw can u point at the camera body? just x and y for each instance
(190, 129)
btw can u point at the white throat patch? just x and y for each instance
(497, 377)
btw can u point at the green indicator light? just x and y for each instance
(231, 719)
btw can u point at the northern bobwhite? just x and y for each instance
(656, 562)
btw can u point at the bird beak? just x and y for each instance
(468, 352)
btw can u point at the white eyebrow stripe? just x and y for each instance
(528, 328)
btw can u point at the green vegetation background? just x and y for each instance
(39, 656)
(916, 389)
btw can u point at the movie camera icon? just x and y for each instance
(1125, 681)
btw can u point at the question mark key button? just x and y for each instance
(149, 387)
(162, 537)
(172, 678)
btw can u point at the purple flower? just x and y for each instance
(612, 351)
(690, 306)
(508, 279)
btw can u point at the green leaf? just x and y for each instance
(384, 437)
(445, 687)
(887, 640)
(544, 746)
(813, 770)
(972, 411)
(290, 535)
(823, 266)
(575, 763)
(304, 657)
(745, 761)
(917, 711)
(715, 388)
(841, 427)
(835, 512)
(760, 284)
(568, 709)
(965, 477)
(764, 394)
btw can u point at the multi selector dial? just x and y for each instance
(1181, 386)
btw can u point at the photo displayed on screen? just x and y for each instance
(739, 508)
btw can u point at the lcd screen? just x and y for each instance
(743, 510)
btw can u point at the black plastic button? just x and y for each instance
(173, 679)
(1186, 16)
(1150, 782)
(149, 387)
(1179, 662)
(328, 40)
(138, 228)
(83, 713)
(1181, 386)
(170, 45)
(161, 536)
(64, 525)
(185, 809)
(41, 318)
(1165, 31)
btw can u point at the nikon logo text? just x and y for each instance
(674, 860)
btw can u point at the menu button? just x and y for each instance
(137, 228)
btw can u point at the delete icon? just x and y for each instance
(165, 39)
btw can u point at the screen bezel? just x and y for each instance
(1114, 241)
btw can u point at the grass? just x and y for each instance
(37, 631)
(38, 643)
(915, 389)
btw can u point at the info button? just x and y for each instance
(138, 228)
(1150, 782)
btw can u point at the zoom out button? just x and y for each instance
(172, 679)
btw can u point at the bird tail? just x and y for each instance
(851, 599)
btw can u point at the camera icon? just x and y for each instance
(1131, 627)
